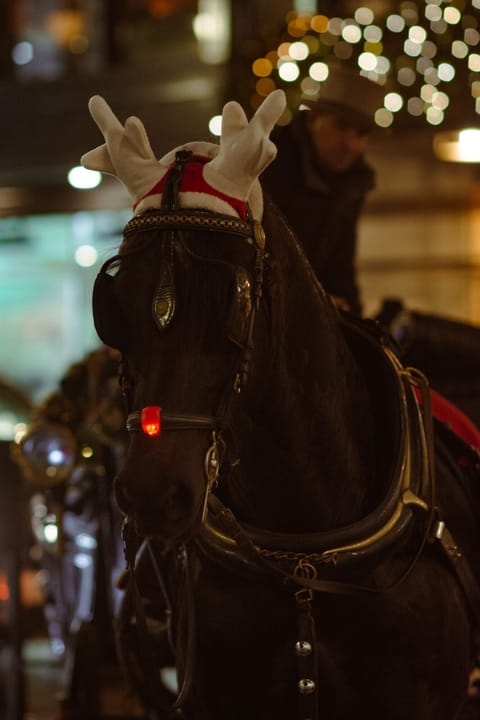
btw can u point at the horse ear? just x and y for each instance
(108, 316)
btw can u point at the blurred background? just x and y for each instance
(174, 63)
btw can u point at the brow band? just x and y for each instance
(189, 219)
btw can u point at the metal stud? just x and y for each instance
(306, 686)
(303, 648)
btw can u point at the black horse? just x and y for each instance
(315, 560)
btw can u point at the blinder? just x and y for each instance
(108, 317)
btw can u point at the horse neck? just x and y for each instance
(306, 465)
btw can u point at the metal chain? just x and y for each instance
(186, 219)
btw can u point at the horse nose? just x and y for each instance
(166, 514)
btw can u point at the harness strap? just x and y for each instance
(461, 568)
(186, 619)
(147, 659)
(305, 574)
(174, 421)
(306, 655)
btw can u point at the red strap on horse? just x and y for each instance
(457, 421)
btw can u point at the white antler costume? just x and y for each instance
(225, 177)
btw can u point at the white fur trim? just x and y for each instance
(193, 200)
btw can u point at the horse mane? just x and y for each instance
(298, 394)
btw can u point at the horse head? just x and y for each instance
(182, 305)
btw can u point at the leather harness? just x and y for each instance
(300, 560)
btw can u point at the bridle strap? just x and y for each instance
(186, 219)
(175, 421)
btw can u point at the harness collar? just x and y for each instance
(409, 491)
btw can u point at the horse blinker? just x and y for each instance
(108, 317)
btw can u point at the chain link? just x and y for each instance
(293, 557)
(165, 220)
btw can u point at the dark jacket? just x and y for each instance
(322, 207)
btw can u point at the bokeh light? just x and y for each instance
(82, 179)
(22, 53)
(86, 255)
(425, 54)
(215, 125)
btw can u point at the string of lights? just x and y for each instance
(426, 53)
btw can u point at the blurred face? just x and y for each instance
(337, 142)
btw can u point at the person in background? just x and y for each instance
(320, 177)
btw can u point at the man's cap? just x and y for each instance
(349, 93)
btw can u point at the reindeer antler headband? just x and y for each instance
(227, 176)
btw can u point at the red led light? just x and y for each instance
(151, 420)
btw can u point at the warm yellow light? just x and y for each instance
(395, 23)
(262, 67)
(458, 145)
(372, 33)
(383, 117)
(289, 71)
(283, 50)
(383, 65)
(440, 100)
(298, 50)
(431, 76)
(415, 106)
(297, 27)
(426, 92)
(434, 116)
(429, 49)
(446, 72)
(469, 144)
(65, 24)
(424, 64)
(433, 12)
(265, 86)
(474, 62)
(367, 61)
(335, 25)
(439, 27)
(215, 125)
(393, 101)
(352, 33)
(318, 71)
(412, 48)
(417, 34)
(471, 36)
(319, 23)
(364, 15)
(406, 76)
(452, 15)
(273, 57)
